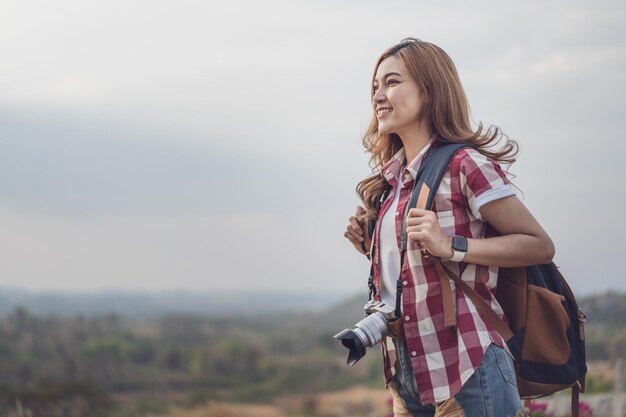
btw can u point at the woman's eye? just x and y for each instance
(375, 88)
(389, 82)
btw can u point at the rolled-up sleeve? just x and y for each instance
(482, 180)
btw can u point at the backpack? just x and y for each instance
(545, 329)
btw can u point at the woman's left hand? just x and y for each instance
(422, 226)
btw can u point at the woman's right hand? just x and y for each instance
(356, 229)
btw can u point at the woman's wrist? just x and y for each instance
(448, 252)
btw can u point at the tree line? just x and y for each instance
(49, 365)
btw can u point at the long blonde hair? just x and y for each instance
(446, 110)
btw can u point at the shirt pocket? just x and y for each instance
(446, 221)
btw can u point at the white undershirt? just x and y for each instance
(389, 252)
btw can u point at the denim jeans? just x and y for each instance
(490, 392)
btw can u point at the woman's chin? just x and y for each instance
(384, 130)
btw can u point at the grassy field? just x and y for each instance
(355, 401)
(363, 401)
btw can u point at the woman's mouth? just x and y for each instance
(381, 113)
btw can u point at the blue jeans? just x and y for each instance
(490, 392)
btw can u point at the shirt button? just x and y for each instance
(405, 282)
(407, 318)
(397, 213)
(414, 353)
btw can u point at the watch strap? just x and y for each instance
(457, 256)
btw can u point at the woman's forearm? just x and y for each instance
(510, 250)
(522, 240)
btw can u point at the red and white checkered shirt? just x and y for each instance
(443, 358)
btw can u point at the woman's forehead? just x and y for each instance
(390, 65)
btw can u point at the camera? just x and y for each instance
(369, 331)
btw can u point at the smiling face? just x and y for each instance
(397, 99)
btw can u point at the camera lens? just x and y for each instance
(368, 332)
(372, 329)
(351, 340)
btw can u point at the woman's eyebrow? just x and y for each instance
(389, 74)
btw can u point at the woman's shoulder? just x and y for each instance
(469, 158)
(476, 173)
(470, 153)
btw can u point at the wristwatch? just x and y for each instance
(459, 248)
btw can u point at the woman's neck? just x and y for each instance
(414, 141)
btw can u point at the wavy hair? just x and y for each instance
(446, 110)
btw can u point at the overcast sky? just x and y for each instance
(152, 144)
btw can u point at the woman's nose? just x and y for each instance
(378, 97)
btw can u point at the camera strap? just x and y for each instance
(403, 237)
(371, 232)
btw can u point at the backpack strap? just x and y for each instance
(429, 177)
(432, 169)
(575, 410)
(481, 305)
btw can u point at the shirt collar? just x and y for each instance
(391, 169)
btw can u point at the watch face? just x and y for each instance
(459, 243)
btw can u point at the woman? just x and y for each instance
(438, 370)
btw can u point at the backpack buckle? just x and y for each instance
(582, 318)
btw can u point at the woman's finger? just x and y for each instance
(415, 236)
(417, 212)
(356, 244)
(351, 237)
(414, 221)
(415, 229)
(354, 235)
(421, 232)
(356, 226)
(429, 217)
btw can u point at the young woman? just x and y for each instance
(437, 370)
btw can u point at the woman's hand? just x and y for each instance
(422, 227)
(355, 230)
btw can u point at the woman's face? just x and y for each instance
(397, 100)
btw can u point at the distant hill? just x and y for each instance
(607, 308)
(155, 304)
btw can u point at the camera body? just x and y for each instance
(373, 306)
(369, 331)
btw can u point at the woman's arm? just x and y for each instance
(523, 241)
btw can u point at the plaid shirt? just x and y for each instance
(443, 358)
